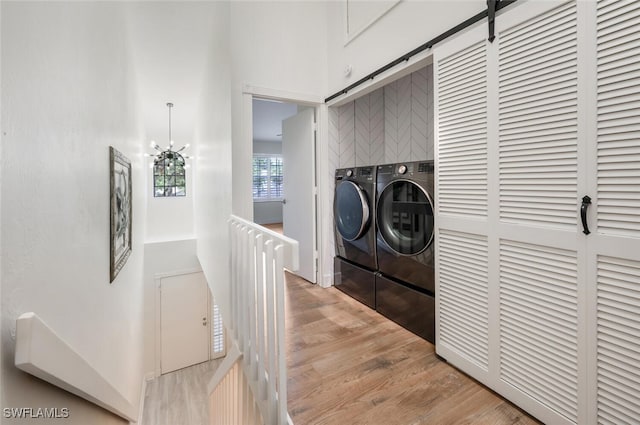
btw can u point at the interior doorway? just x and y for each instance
(267, 184)
(284, 185)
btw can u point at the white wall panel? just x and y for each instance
(408, 25)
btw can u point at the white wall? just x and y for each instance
(405, 27)
(171, 42)
(212, 136)
(267, 212)
(169, 218)
(68, 93)
(278, 46)
(267, 147)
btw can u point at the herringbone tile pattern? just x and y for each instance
(391, 124)
(409, 117)
(346, 135)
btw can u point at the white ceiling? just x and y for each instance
(267, 119)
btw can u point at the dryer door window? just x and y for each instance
(405, 217)
(351, 210)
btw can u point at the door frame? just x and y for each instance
(324, 271)
(157, 279)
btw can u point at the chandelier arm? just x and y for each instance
(170, 105)
(163, 153)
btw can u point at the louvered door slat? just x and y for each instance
(462, 134)
(618, 110)
(463, 307)
(617, 300)
(538, 135)
(618, 339)
(531, 281)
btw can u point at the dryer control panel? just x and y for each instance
(406, 169)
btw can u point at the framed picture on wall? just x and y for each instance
(120, 171)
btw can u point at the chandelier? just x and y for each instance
(169, 156)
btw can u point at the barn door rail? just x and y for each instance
(250, 387)
(493, 6)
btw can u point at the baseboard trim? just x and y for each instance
(327, 281)
(143, 391)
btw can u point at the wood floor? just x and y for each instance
(350, 365)
(276, 227)
(180, 397)
(346, 365)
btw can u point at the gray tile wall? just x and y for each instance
(391, 124)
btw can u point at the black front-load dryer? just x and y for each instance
(354, 214)
(405, 249)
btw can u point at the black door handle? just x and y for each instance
(586, 201)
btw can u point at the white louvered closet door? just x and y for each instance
(541, 166)
(462, 223)
(614, 244)
(511, 165)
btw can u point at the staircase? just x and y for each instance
(250, 386)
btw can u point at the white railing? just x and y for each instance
(42, 353)
(250, 386)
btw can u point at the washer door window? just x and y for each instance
(405, 217)
(351, 210)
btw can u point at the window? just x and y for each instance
(217, 333)
(267, 177)
(169, 175)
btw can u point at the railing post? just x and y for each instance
(279, 323)
(260, 346)
(271, 337)
(251, 384)
(253, 322)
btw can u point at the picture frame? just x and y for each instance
(120, 211)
